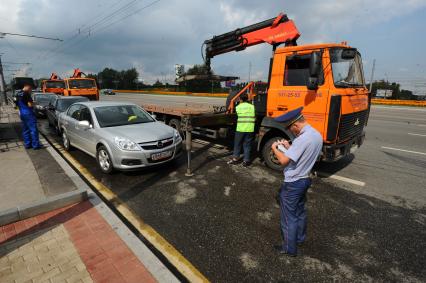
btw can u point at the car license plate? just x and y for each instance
(161, 155)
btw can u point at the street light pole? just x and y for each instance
(2, 85)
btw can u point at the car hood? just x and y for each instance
(140, 133)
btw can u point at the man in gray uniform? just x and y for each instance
(298, 160)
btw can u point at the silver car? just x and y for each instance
(119, 135)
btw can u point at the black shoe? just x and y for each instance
(40, 147)
(28, 147)
(282, 251)
(246, 163)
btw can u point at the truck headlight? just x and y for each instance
(177, 136)
(126, 144)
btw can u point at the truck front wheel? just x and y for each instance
(269, 156)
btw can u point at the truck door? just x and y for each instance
(294, 93)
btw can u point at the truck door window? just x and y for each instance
(296, 71)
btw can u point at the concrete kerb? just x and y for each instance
(29, 210)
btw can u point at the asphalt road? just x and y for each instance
(367, 227)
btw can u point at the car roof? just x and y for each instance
(93, 104)
(71, 97)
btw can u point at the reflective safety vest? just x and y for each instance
(246, 117)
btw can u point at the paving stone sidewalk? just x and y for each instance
(71, 244)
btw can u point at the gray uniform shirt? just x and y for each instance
(303, 153)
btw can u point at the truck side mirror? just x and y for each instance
(314, 70)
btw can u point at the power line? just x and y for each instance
(3, 34)
(89, 28)
(107, 26)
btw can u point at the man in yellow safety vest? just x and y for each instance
(244, 133)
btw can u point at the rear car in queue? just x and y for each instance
(119, 135)
(41, 102)
(58, 105)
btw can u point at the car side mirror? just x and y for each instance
(51, 107)
(85, 125)
(314, 70)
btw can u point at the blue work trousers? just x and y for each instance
(246, 139)
(293, 213)
(29, 131)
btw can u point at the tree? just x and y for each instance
(158, 84)
(397, 92)
(200, 85)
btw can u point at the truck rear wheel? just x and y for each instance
(269, 156)
(175, 123)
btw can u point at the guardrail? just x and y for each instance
(181, 93)
(421, 103)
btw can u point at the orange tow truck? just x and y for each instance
(77, 85)
(53, 85)
(326, 79)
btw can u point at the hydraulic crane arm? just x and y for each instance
(77, 73)
(274, 31)
(54, 76)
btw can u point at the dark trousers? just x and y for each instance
(29, 131)
(246, 139)
(293, 213)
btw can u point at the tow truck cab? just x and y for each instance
(328, 81)
(53, 86)
(81, 87)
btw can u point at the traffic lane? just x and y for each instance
(403, 115)
(165, 100)
(391, 175)
(225, 221)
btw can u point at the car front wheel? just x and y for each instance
(104, 160)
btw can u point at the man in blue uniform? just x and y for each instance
(298, 159)
(29, 121)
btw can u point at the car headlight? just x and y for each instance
(125, 144)
(177, 136)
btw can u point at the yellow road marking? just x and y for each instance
(161, 244)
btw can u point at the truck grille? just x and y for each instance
(351, 125)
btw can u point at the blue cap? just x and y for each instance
(291, 116)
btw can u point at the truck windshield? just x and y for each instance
(81, 83)
(346, 72)
(55, 84)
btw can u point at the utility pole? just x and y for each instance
(2, 85)
(372, 75)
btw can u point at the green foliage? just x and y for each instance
(200, 85)
(125, 79)
(397, 92)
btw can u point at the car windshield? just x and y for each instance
(121, 115)
(63, 104)
(81, 83)
(346, 72)
(42, 99)
(55, 84)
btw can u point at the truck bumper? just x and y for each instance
(334, 152)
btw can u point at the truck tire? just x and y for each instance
(268, 155)
(175, 123)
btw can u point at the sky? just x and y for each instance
(154, 35)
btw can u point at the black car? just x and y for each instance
(109, 92)
(41, 101)
(58, 105)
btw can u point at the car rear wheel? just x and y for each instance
(104, 160)
(66, 141)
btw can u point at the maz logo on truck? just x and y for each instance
(356, 122)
